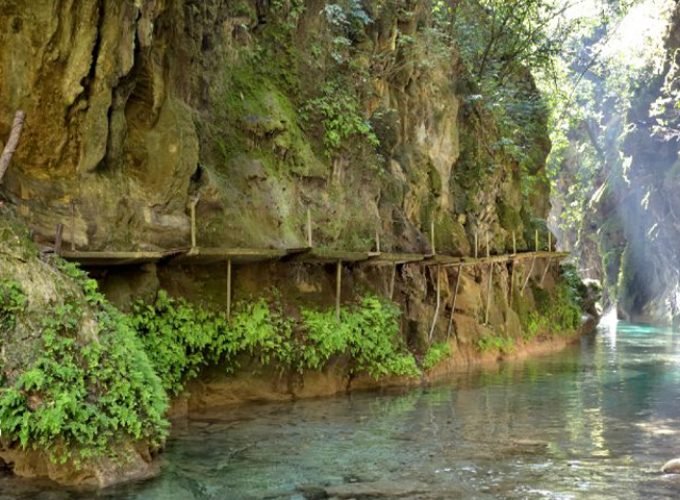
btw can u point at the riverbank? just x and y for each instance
(214, 390)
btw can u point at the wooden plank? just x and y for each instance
(105, 259)
(442, 260)
(328, 256)
(204, 256)
(385, 259)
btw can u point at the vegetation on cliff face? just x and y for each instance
(75, 381)
(181, 339)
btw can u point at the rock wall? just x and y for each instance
(134, 108)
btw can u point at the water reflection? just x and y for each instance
(596, 421)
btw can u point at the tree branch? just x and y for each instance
(12, 142)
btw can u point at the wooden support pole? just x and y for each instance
(545, 271)
(192, 210)
(549, 241)
(73, 226)
(512, 284)
(58, 235)
(536, 240)
(377, 240)
(488, 295)
(514, 243)
(310, 242)
(476, 242)
(228, 288)
(453, 304)
(434, 250)
(338, 288)
(436, 309)
(526, 281)
(392, 280)
(488, 253)
(12, 142)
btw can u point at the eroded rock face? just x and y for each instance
(104, 131)
(137, 465)
(135, 107)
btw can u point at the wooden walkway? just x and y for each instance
(208, 256)
(197, 255)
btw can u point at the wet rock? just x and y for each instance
(671, 467)
(378, 489)
(312, 492)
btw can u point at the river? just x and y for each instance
(595, 421)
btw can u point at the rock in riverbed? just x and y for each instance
(671, 467)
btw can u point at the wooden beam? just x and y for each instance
(488, 295)
(392, 280)
(436, 309)
(536, 240)
(377, 240)
(310, 243)
(549, 241)
(476, 243)
(453, 304)
(545, 271)
(512, 283)
(514, 243)
(73, 226)
(12, 142)
(432, 236)
(58, 235)
(531, 269)
(192, 209)
(228, 288)
(338, 288)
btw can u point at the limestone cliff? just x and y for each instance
(135, 107)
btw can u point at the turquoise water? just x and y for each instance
(596, 421)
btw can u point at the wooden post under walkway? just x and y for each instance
(453, 303)
(338, 288)
(228, 288)
(436, 309)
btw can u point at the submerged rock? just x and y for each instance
(671, 467)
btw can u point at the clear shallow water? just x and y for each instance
(596, 421)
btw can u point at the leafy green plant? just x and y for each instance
(437, 353)
(89, 387)
(181, 338)
(338, 108)
(367, 333)
(492, 343)
(12, 302)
